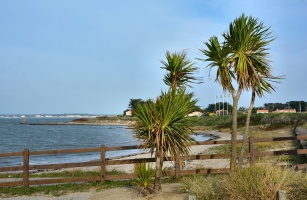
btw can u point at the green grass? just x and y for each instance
(257, 132)
(104, 119)
(53, 174)
(62, 189)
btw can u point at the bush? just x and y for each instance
(300, 186)
(144, 178)
(257, 182)
(262, 181)
(270, 121)
(204, 187)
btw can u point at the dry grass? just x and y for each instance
(257, 132)
(262, 181)
(204, 187)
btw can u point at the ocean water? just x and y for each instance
(16, 136)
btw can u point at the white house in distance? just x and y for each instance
(277, 111)
(285, 111)
(128, 113)
(196, 113)
(221, 112)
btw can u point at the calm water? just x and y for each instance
(15, 137)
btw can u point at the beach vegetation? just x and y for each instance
(264, 122)
(61, 189)
(260, 181)
(55, 174)
(162, 126)
(144, 180)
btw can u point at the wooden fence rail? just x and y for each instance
(26, 168)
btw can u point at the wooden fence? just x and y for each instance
(26, 168)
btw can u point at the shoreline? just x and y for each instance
(188, 164)
(129, 168)
(76, 123)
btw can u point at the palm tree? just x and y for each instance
(180, 73)
(258, 88)
(162, 126)
(219, 56)
(242, 57)
(180, 70)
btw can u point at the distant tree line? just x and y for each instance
(133, 103)
(299, 106)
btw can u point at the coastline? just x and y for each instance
(170, 190)
(189, 164)
(105, 123)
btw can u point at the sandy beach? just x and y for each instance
(193, 164)
(197, 149)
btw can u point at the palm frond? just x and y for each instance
(180, 70)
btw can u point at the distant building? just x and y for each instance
(196, 113)
(262, 111)
(289, 110)
(128, 113)
(221, 112)
(285, 111)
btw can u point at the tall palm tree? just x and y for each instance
(219, 56)
(243, 58)
(179, 69)
(162, 126)
(179, 73)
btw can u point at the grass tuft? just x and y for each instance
(261, 181)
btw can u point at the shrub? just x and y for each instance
(144, 179)
(299, 186)
(261, 181)
(257, 182)
(204, 187)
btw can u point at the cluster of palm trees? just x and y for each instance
(242, 64)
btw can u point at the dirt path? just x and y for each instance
(169, 192)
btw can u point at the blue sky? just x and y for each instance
(78, 56)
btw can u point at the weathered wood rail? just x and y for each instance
(103, 162)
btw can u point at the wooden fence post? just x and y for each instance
(26, 168)
(251, 150)
(103, 163)
(177, 164)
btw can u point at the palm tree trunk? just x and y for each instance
(159, 162)
(245, 136)
(233, 158)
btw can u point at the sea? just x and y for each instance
(15, 136)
